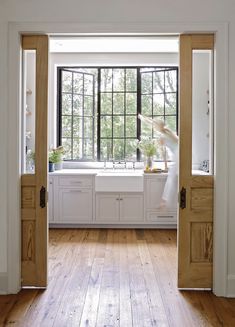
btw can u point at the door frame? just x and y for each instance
(220, 129)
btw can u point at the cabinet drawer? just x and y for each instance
(76, 181)
(166, 217)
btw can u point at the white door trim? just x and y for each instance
(221, 129)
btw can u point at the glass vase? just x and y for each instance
(148, 165)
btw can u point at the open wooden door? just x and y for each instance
(195, 227)
(35, 163)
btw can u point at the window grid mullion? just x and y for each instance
(72, 118)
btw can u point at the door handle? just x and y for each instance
(183, 198)
(43, 197)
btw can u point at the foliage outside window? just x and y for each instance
(98, 109)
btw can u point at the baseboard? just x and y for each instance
(3, 283)
(231, 286)
(114, 226)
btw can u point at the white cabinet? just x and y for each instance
(75, 205)
(107, 207)
(73, 199)
(154, 213)
(119, 207)
(131, 207)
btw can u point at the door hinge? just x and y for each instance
(183, 198)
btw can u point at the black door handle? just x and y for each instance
(183, 198)
(43, 197)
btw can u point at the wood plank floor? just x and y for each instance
(100, 277)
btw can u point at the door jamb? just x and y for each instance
(220, 131)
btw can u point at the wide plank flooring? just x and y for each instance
(111, 277)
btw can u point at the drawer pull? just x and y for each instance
(165, 216)
(75, 191)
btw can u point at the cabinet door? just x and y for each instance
(107, 207)
(75, 205)
(51, 200)
(131, 207)
(154, 191)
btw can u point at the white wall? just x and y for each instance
(116, 13)
(97, 59)
(3, 147)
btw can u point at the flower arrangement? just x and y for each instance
(147, 146)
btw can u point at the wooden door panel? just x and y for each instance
(33, 214)
(201, 242)
(195, 224)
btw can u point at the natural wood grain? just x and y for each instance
(196, 219)
(114, 278)
(201, 242)
(34, 234)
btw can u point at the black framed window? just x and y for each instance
(159, 99)
(118, 113)
(98, 109)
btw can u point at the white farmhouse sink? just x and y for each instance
(119, 181)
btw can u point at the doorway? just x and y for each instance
(221, 181)
(153, 73)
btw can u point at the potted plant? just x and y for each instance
(147, 146)
(56, 158)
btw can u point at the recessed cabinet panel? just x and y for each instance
(107, 207)
(75, 205)
(75, 181)
(131, 208)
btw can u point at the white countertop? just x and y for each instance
(106, 172)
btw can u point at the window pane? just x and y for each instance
(130, 150)
(106, 126)
(118, 149)
(146, 83)
(88, 105)
(131, 130)
(171, 122)
(170, 106)
(88, 84)
(146, 130)
(118, 103)
(88, 128)
(66, 104)
(106, 80)
(118, 126)
(77, 149)
(78, 83)
(77, 105)
(66, 81)
(146, 105)
(88, 150)
(106, 103)
(158, 104)
(106, 150)
(66, 126)
(158, 82)
(66, 143)
(77, 127)
(118, 79)
(131, 104)
(170, 81)
(131, 80)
